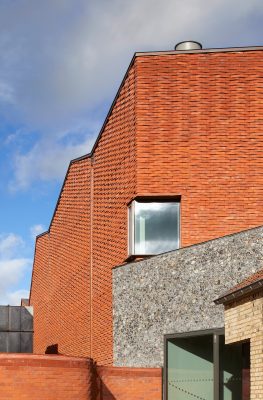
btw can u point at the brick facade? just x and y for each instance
(244, 321)
(60, 291)
(199, 135)
(188, 125)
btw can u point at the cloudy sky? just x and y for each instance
(61, 62)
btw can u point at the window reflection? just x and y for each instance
(156, 227)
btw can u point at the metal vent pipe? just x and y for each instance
(188, 45)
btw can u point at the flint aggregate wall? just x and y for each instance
(174, 292)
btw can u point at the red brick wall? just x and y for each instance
(188, 125)
(32, 377)
(60, 290)
(74, 297)
(199, 135)
(50, 377)
(114, 168)
(40, 287)
(129, 383)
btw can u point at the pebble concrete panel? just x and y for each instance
(174, 292)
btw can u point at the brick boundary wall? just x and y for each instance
(39, 377)
(120, 383)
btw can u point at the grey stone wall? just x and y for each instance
(174, 292)
(16, 329)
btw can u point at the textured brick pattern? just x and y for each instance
(71, 290)
(60, 290)
(183, 124)
(129, 383)
(199, 135)
(25, 377)
(114, 186)
(244, 320)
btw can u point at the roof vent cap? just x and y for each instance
(188, 45)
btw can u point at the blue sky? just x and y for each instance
(61, 62)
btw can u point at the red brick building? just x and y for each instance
(184, 137)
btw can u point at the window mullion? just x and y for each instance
(216, 365)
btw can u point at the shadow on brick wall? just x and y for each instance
(99, 390)
(52, 349)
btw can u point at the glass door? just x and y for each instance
(190, 368)
(199, 365)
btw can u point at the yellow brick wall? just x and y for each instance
(243, 321)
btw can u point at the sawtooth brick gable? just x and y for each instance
(188, 125)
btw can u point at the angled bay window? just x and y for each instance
(154, 226)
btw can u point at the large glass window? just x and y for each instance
(200, 366)
(153, 227)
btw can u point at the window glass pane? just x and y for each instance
(156, 227)
(190, 368)
(230, 370)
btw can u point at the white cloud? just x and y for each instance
(12, 271)
(35, 230)
(12, 267)
(60, 60)
(47, 160)
(14, 298)
(78, 60)
(9, 245)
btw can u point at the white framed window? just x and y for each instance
(154, 226)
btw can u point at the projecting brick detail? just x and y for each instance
(24, 377)
(129, 383)
(244, 321)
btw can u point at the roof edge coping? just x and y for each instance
(239, 293)
(199, 51)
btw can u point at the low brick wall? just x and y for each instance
(35, 377)
(115, 383)
(54, 377)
